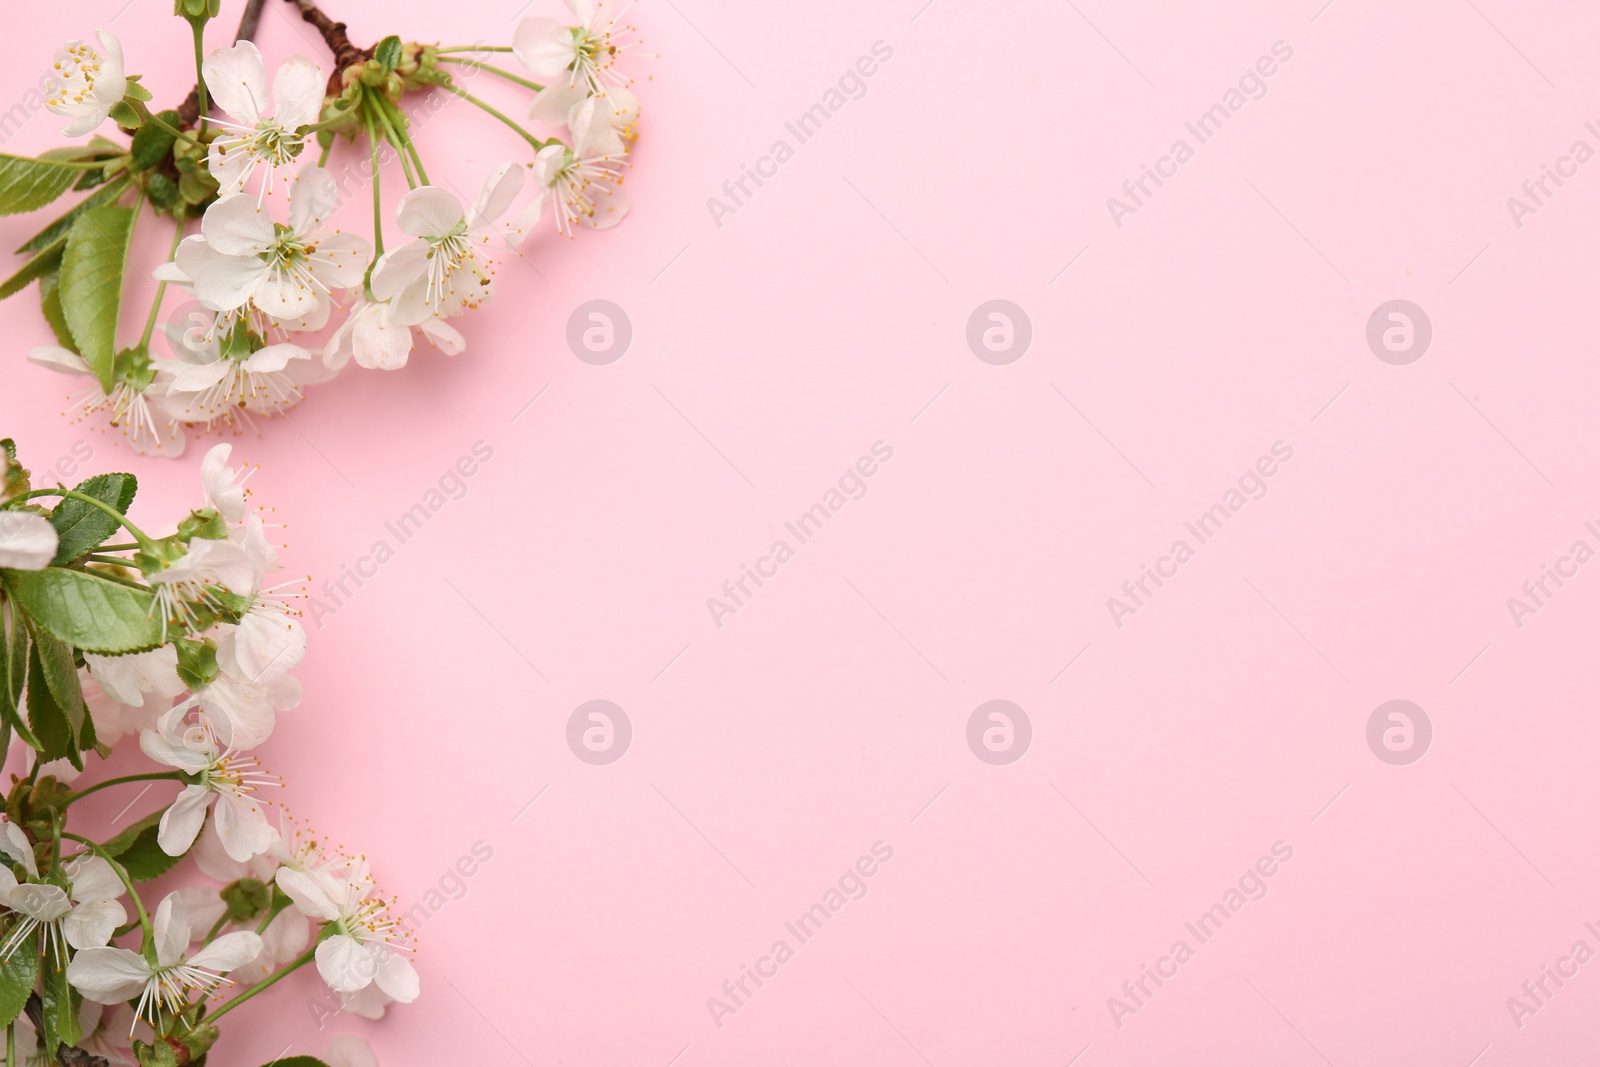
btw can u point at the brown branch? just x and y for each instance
(345, 53)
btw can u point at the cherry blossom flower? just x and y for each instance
(111, 975)
(237, 79)
(242, 257)
(363, 950)
(85, 84)
(445, 270)
(226, 778)
(586, 52)
(140, 411)
(84, 914)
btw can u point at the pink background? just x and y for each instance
(829, 313)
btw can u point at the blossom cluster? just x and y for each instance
(285, 298)
(179, 641)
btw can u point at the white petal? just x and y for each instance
(237, 226)
(312, 197)
(297, 92)
(341, 260)
(182, 821)
(237, 79)
(108, 975)
(93, 879)
(345, 964)
(499, 191)
(228, 951)
(243, 827)
(396, 976)
(396, 269)
(444, 336)
(58, 359)
(27, 541)
(429, 212)
(14, 845)
(543, 45)
(348, 1050)
(315, 893)
(91, 925)
(554, 103)
(171, 929)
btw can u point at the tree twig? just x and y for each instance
(345, 53)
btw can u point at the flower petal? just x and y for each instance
(429, 212)
(27, 541)
(181, 823)
(345, 964)
(228, 951)
(543, 45)
(237, 78)
(108, 975)
(91, 925)
(297, 92)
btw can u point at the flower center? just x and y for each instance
(77, 72)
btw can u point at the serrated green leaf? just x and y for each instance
(60, 226)
(91, 284)
(138, 850)
(14, 633)
(48, 718)
(50, 304)
(30, 184)
(18, 973)
(81, 527)
(46, 261)
(61, 678)
(87, 610)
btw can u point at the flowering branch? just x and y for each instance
(180, 641)
(287, 300)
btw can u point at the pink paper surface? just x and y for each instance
(1175, 342)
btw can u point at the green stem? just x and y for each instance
(127, 883)
(506, 74)
(377, 206)
(144, 539)
(397, 128)
(216, 928)
(152, 776)
(97, 557)
(394, 139)
(119, 548)
(161, 291)
(305, 958)
(184, 135)
(475, 48)
(199, 70)
(469, 98)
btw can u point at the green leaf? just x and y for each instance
(81, 527)
(388, 53)
(48, 719)
(50, 304)
(138, 851)
(30, 184)
(60, 226)
(91, 283)
(46, 261)
(153, 143)
(297, 1061)
(87, 610)
(16, 673)
(18, 973)
(61, 1004)
(61, 677)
